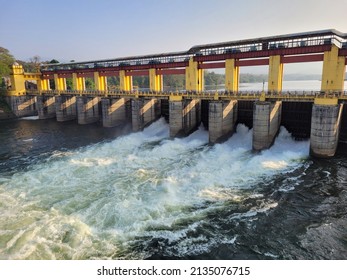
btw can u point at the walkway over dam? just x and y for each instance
(320, 116)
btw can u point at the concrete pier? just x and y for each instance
(23, 106)
(266, 122)
(222, 118)
(325, 128)
(46, 106)
(144, 111)
(65, 107)
(185, 116)
(114, 111)
(88, 110)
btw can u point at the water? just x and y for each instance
(86, 192)
(307, 86)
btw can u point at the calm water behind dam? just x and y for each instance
(85, 192)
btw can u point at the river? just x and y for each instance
(69, 191)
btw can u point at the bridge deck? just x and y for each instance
(204, 95)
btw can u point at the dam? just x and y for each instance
(320, 116)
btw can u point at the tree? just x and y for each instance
(90, 84)
(33, 65)
(212, 79)
(69, 83)
(174, 82)
(6, 60)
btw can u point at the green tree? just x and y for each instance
(174, 82)
(6, 60)
(112, 82)
(69, 83)
(213, 80)
(141, 81)
(90, 84)
(33, 65)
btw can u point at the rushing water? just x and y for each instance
(87, 192)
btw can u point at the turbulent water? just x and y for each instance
(87, 192)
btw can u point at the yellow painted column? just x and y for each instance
(40, 85)
(232, 75)
(194, 77)
(43, 84)
(60, 83)
(334, 70)
(17, 80)
(47, 85)
(125, 82)
(78, 82)
(155, 81)
(100, 82)
(275, 74)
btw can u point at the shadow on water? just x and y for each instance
(24, 142)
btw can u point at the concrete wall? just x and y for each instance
(222, 119)
(191, 115)
(6, 115)
(296, 118)
(245, 112)
(22, 106)
(325, 127)
(65, 107)
(176, 118)
(144, 111)
(114, 111)
(46, 106)
(266, 122)
(88, 109)
(5, 109)
(343, 126)
(185, 116)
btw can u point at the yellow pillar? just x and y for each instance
(100, 81)
(78, 82)
(155, 81)
(275, 73)
(43, 84)
(60, 83)
(334, 69)
(194, 77)
(47, 85)
(39, 85)
(17, 80)
(125, 82)
(232, 75)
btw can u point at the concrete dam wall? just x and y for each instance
(324, 125)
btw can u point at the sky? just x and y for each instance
(83, 30)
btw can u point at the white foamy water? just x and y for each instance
(31, 118)
(102, 200)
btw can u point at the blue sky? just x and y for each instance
(100, 29)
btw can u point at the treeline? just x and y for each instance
(6, 62)
(212, 78)
(177, 82)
